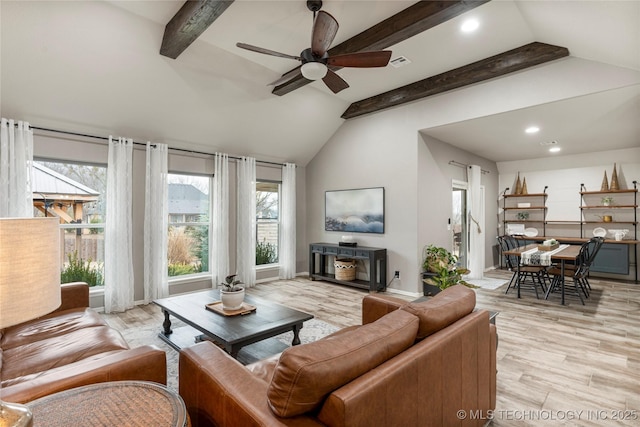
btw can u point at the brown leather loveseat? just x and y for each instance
(71, 347)
(431, 363)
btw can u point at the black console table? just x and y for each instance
(377, 257)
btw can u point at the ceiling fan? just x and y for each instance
(316, 59)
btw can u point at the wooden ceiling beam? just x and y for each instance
(407, 23)
(517, 59)
(192, 19)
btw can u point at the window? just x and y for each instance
(188, 238)
(267, 222)
(75, 193)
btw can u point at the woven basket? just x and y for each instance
(345, 269)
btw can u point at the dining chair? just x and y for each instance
(509, 260)
(577, 273)
(583, 263)
(529, 275)
(595, 243)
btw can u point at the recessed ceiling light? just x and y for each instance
(554, 149)
(469, 25)
(532, 129)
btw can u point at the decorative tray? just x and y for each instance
(216, 307)
(548, 247)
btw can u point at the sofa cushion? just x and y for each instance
(443, 309)
(264, 368)
(50, 326)
(46, 354)
(306, 374)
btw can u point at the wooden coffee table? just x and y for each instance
(230, 332)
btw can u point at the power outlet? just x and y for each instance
(397, 275)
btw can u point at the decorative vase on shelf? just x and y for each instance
(524, 186)
(605, 183)
(518, 188)
(614, 180)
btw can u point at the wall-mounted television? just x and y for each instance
(355, 211)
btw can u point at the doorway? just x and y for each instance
(458, 222)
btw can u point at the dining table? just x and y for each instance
(564, 254)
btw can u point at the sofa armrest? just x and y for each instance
(375, 306)
(218, 390)
(146, 363)
(73, 295)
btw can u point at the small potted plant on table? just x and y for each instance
(440, 270)
(231, 294)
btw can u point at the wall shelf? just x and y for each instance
(539, 211)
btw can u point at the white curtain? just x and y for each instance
(287, 247)
(118, 252)
(246, 221)
(219, 235)
(476, 223)
(16, 157)
(156, 224)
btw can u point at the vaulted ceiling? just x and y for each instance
(95, 67)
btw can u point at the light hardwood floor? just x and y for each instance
(557, 365)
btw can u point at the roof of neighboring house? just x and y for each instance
(50, 184)
(187, 199)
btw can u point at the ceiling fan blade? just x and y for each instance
(334, 81)
(267, 51)
(361, 59)
(286, 77)
(325, 28)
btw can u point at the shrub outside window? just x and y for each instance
(267, 222)
(75, 193)
(188, 234)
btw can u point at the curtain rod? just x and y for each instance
(462, 165)
(144, 144)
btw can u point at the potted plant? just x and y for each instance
(608, 200)
(231, 294)
(440, 270)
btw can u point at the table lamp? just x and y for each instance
(29, 284)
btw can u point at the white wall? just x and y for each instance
(387, 150)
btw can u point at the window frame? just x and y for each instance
(278, 222)
(191, 277)
(82, 225)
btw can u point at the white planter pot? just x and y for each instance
(232, 300)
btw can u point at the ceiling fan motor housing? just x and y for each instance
(314, 5)
(308, 56)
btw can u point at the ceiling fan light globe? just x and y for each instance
(313, 70)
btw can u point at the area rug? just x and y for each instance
(487, 282)
(312, 330)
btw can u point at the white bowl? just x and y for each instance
(599, 232)
(530, 232)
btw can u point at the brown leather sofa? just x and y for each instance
(71, 347)
(431, 363)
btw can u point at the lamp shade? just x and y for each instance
(29, 269)
(313, 70)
